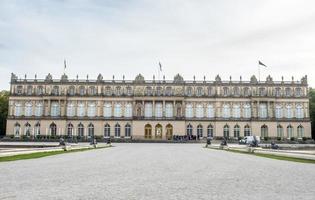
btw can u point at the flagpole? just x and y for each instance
(258, 72)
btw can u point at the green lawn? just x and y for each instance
(42, 154)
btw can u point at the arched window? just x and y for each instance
(226, 111)
(17, 129)
(247, 112)
(128, 110)
(189, 130)
(107, 131)
(159, 91)
(278, 92)
(236, 111)
(226, 131)
(289, 111)
(263, 110)
(91, 109)
(18, 109)
(225, 91)
(246, 92)
(279, 111)
(81, 109)
(129, 91)
(55, 109)
(169, 110)
(27, 129)
(39, 90)
(117, 130)
(300, 131)
(39, 109)
(82, 90)
(118, 91)
(107, 109)
(199, 131)
(148, 110)
(28, 109)
(210, 111)
(70, 109)
(108, 91)
(264, 131)
(199, 111)
(70, 130)
(92, 90)
(117, 110)
(148, 131)
(127, 130)
(288, 92)
(71, 90)
(210, 91)
(189, 111)
(299, 112)
(91, 130)
(189, 91)
(210, 131)
(168, 91)
(158, 131)
(53, 129)
(236, 91)
(298, 92)
(169, 132)
(55, 90)
(236, 131)
(290, 131)
(81, 130)
(279, 131)
(247, 131)
(158, 110)
(148, 91)
(199, 91)
(37, 129)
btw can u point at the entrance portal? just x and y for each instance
(158, 131)
(169, 132)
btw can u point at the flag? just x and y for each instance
(260, 63)
(65, 64)
(160, 66)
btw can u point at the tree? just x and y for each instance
(4, 105)
(312, 110)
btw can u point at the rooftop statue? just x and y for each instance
(139, 79)
(253, 79)
(48, 78)
(178, 79)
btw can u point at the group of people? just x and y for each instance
(185, 137)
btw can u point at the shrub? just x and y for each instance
(279, 138)
(292, 138)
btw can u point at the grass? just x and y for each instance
(277, 157)
(42, 154)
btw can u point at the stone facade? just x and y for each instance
(158, 109)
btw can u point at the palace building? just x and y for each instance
(158, 109)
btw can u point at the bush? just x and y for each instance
(304, 138)
(279, 138)
(292, 138)
(266, 138)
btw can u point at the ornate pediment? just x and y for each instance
(139, 79)
(178, 79)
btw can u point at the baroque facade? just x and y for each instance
(158, 109)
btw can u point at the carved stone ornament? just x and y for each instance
(269, 79)
(139, 79)
(99, 78)
(64, 78)
(253, 79)
(178, 79)
(139, 91)
(13, 77)
(218, 79)
(304, 80)
(48, 78)
(179, 91)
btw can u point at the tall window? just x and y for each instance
(108, 91)
(17, 130)
(262, 92)
(82, 90)
(236, 111)
(199, 111)
(263, 110)
(129, 91)
(91, 109)
(288, 92)
(225, 91)
(189, 91)
(199, 91)
(70, 130)
(290, 131)
(210, 111)
(92, 90)
(210, 131)
(226, 131)
(70, 109)
(169, 110)
(53, 129)
(39, 90)
(107, 131)
(29, 90)
(246, 92)
(247, 131)
(148, 110)
(298, 92)
(118, 91)
(127, 130)
(28, 129)
(279, 111)
(236, 131)
(148, 91)
(210, 91)
(300, 131)
(189, 111)
(189, 129)
(158, 110)
(71, 91)
(168, 91)
(28, 109)
(299, 111)
(55, 90)
(236, 91)
(81, 109)
(91, 130)
(247, 112)
(18, 109)
(159, 91)
(226, 111)
(81, 130)
(199, 131)
(289, 111)
(117, 110)
(279, 131)
(147, 131)
(264, 131)
(55, 109)
(117, 130)
(278, 92)
(128, 110)
(37, 129)
(107, 110)
(39, 109)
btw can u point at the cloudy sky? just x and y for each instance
(127, 37)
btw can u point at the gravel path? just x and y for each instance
(156, 171)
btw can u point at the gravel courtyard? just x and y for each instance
(156, 171)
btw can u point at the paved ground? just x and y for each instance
(156, 171)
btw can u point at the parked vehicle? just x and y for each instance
(249, 139)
